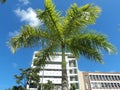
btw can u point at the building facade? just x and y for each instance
(53, 71)
(99, 81)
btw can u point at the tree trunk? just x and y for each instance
(64, 71)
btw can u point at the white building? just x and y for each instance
(53, 71)
(99, 80)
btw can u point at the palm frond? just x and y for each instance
(28, 37)
(80, 17)
(50, 17)
(43, 56)
(90, 45)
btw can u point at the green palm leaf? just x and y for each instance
(89, 45)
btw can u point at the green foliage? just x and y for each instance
(48, 86)
(40, 59)
(73, 87)
(90, 45)
(64, 33)
(26, 76)
(18, 88)
(68, 31)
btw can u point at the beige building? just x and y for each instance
(99, 81)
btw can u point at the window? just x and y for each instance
(90, 77)
(112, 78)
(99, 85)
(107, 78)
(73, 78)
(115, 84)
(112, 85)
(72, 63)
(106, 85)
(102, 85)
(73, 71)
(100, 77)
(118, 84)
(103, 78)
(97, 77)
(95, 85)
(116, 78)
(32, 85)
(92, 85)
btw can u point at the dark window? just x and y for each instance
(118, 77)
(72, 63)
(118, 84)
(112, 85)
(32, 85)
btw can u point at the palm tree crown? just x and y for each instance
(64, 33)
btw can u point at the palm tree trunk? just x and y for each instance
(42, 78)
(64, 71)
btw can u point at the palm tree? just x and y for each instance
(64, 33)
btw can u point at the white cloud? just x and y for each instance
(28, 16)
(25, 2)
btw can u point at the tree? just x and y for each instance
(14, 88)
(27, 76)
(8, 89)
(48, 86)
(39, 63)
(18, 88)
(65, 33)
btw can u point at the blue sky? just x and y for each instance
(16, 13)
